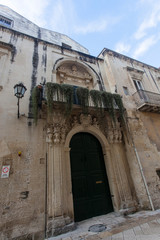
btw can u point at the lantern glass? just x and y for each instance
(23, 90)
(15, 90)
(19, 90)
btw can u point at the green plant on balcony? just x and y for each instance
(108, 102)
(119, 103)
(83, 97)
(65, 93)
(52, 90)
(96, 97)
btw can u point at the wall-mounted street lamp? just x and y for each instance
(19, 91)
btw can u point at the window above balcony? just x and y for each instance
(147, 101)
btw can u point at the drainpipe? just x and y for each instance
(45, 230)
(142, 173)
(144, 179)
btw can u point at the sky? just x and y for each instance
(130, 27)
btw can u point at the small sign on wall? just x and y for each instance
(5, 171)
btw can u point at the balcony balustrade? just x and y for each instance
(147, 101)
(69, 99)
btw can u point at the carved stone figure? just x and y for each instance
(49, 135)
(95, 122)
(63, 134)
(85, 120)
(56, 134)
(75, 122)
(113, 132)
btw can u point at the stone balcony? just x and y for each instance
(147, 101)
(72, 100)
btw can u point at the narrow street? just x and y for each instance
(144, 225)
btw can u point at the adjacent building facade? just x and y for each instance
(69, 168)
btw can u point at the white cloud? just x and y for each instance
(91, 27)
(33, 10)
(67, 21)
(150, 21)
(122, 47)
(63, 16)
(145, 45)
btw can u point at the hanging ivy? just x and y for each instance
(119, 103)
(52, 90)
(65, 93)
(96, 97)
(108, 102)
(59, 92)
(83, 97)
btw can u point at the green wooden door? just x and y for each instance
(91, 194)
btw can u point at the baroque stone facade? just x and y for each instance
(38, 198)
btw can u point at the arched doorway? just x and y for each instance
(91, 193)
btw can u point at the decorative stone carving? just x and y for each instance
(56, 133)
(57, 130)
(113, 132)
(75, 122)
(49, 135)
(62, 77)
(68, 72)
(87, 82)
(74, 68)
(85, 120)
(95, 122)
(63, 134)
(135, 73)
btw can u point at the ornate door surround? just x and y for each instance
(60, 130)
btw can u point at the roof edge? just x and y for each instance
(116, 54)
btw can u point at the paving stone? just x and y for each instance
(92, 237)
(139, 226)
(154, 224)
(129, 235)
(118, 236)
(67, 238)
(107, 238)
(137, 230)
(145, 229)
(104, 234)
(148, 237)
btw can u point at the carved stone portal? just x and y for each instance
(74, 74)
(59, 132)
(59, 128)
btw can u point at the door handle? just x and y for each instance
(98, 182)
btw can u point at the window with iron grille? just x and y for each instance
(6, 21)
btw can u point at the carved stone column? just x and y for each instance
(58, 221)
(112, 180)
(120, 166)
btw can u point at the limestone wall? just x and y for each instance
(35, 200)
(143, 133)
(22, 25)
(23, 199)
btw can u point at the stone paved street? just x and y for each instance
(144, 225)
